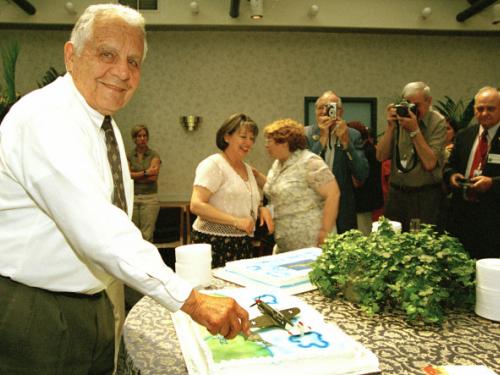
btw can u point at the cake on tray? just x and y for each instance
(322, 348)
(288, 271)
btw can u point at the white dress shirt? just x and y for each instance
(58, 228)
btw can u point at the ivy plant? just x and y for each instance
(420, 273)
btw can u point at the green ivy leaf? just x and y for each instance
(420, 273)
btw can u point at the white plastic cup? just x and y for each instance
(194, 264)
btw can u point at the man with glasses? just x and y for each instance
(342, 149)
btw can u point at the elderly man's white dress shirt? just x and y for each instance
(58, 228)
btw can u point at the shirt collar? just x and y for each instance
(491, 131)
(95, 117)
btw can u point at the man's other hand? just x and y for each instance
(326, 122)
(220, 315)
(481, 184)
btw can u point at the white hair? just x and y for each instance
(84, 27)
(330, 93)
(414, 88)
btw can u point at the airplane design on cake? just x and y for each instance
(278, 318)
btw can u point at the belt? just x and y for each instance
(97, 295)
(414, 189)
(80, 295)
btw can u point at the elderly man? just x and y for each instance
(414, 141)
(473, 173)
(342, 149)
(65, 234)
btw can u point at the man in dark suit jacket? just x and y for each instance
(342, 149)
(475, 206)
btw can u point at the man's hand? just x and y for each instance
(221, 315)
(326, 122)
(481, 184)
(392, 117)
(455, 178)
(410, 124)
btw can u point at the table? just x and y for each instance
(465, 338)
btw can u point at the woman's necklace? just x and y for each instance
(247, 182)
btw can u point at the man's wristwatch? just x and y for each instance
(413, 134)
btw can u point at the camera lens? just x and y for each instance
(402, 111)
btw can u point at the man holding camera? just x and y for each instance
(414, 141)
(342, 149)
(473, 173)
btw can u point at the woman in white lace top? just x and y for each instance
(225, 195)
(302, 191)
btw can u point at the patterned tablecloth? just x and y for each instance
(151, 345)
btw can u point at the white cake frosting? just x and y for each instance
(326, 349)
(281, 270)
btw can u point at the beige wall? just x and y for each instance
(265, 74)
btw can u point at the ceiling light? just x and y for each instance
(70, 8)
(426, 12)
(257, 9)
(195, 8)
(313, 10)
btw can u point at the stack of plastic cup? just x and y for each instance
(396, 225)
(488, 288)
(194, 264)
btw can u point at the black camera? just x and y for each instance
(464, 182)
(403, 109)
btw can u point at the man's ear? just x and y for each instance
(69, 54)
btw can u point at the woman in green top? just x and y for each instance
(144, 166)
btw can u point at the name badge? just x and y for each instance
(494, 158)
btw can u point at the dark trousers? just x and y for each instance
(43, 332)
(419, 203)
(476, 226)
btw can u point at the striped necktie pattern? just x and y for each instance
(115, 164)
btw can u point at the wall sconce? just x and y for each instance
(195, 8)
(190, 123)
(257, 9)
(426, 13)
(496, 14)
(313, 11)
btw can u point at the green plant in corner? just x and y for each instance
(457, 111)
(8, 95)
(421, 274)
(50, 75)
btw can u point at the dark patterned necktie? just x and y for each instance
(115, 164)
